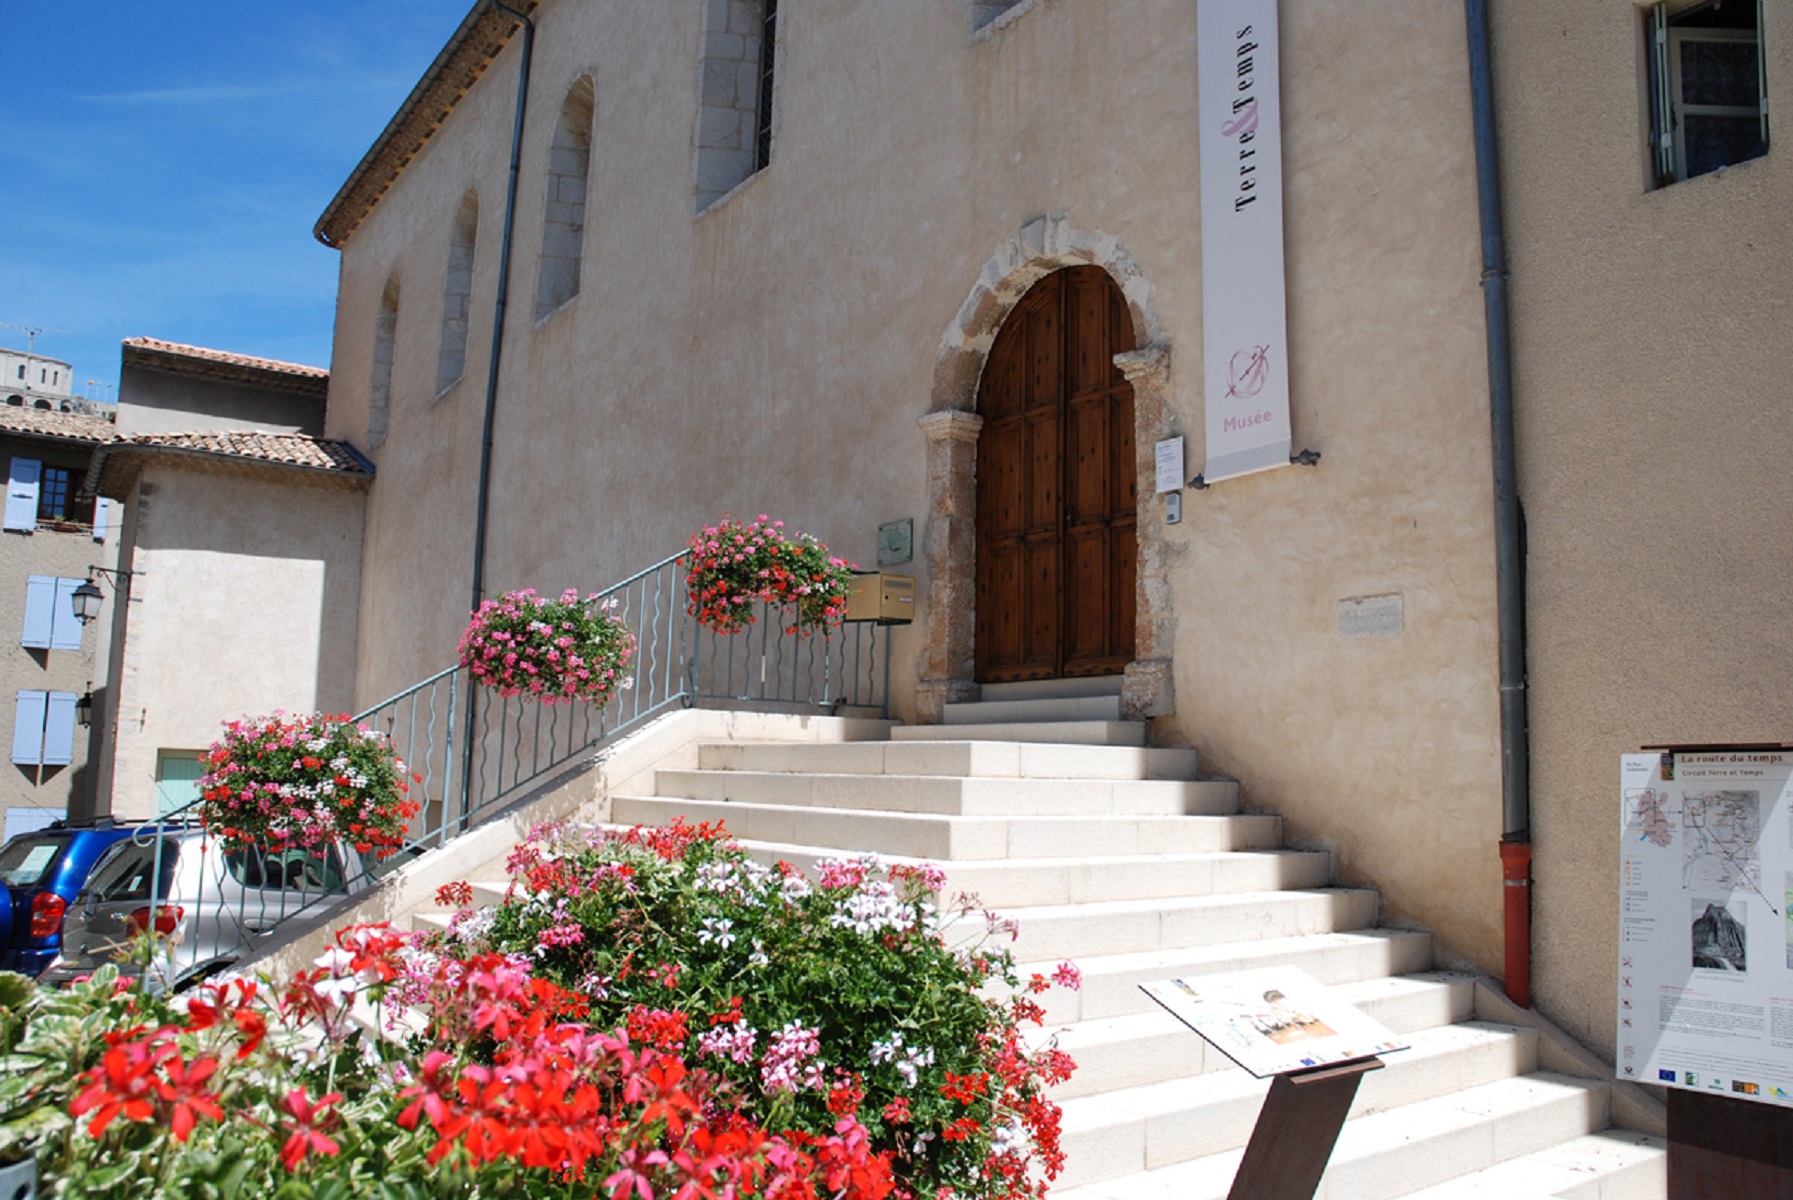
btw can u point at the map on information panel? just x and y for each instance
(1705, 996)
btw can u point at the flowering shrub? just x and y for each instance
(554, 650)
(284, 781)
(497, 1088)
(735, 563)
(810, 1003)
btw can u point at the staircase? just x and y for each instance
(1049, 807)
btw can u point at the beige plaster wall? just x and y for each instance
(244, 603)
(775, 354)
(1654, 343)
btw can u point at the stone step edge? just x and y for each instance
(1588, 1166)
(895, 814)
(1148, 1100)
(1362, 1138)
(1635, 1106)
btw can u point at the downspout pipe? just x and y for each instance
(495, 360)
(1509, 564)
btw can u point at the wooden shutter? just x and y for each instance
(28, 727)
(40, 612)
(65, 629)
(21, 494)
(59, 729)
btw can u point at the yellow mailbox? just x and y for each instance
(884, 599)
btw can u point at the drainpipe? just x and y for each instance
(498, 307)
(483, 502)
(1509, 564)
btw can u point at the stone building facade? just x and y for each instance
(815, 339)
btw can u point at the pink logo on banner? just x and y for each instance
(1247, 372)
(1246, 122)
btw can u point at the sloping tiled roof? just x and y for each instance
(483, 32)
(36, 422)
(300, 451)
(197, 360)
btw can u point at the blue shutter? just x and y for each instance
(28, 728)
(40, 612)
(21, 494)
(59, 730)
(65, 628)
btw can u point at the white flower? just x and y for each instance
(718, 930)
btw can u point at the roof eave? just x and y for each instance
(482, 33)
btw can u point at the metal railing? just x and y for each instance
(470, 752)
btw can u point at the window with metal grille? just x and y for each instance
(737, 95)
(1708, 87)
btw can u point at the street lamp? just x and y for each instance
(84, 710)
(87, 598)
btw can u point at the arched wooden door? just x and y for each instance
(1057, 486)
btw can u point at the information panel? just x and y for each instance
(1274, 1020)
(1705, 945)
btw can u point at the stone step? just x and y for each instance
(957, 758)
(1401, 1151)
(1616, 1164)
(1066, 733)
(956, 796)
(1078, 931)
(1033, 689)
(1111, 981)
(1024, 883)
(948, 838)
(1041, 709)
(1144, 1128)
(1150, 1047)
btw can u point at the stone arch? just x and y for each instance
(949, 541)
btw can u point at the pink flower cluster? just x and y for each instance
(735, 563)
(552, 650)
(790, 1064)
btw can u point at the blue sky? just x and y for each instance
(163, 165)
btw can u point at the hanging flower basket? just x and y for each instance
(307, 781)
(522, 644)
(735, 563)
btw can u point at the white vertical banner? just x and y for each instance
(1245, 338)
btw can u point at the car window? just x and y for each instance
(127, 870)
(26, 861)
(289, 870)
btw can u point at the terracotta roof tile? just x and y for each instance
(152, 347)
(292, 449)
(39, 423)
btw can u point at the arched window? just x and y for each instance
(735, 95)
(457, 295)
(16, 400)
(563, 206)
(379, 391)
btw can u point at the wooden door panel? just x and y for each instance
(1089, 456)
(1057, 486)
(1044, 474)
(1040, 654)
(1087, 627)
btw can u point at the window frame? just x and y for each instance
(1667, 109)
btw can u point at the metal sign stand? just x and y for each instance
(1297, 1129)
(1721, 1148)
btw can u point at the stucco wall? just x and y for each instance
(775, 354)
(1654, 344)
(64, 554)
(244, 603)
(166, 402)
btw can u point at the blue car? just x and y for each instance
(43, 871)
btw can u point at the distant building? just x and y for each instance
(239, 556)
(48, 663)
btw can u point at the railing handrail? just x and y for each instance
(470, 752)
